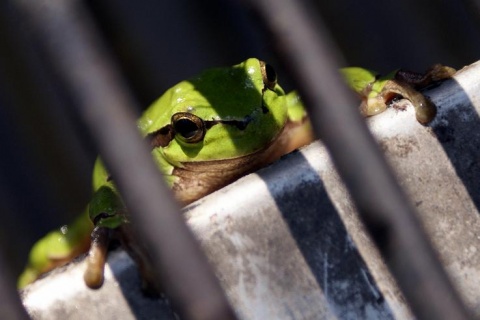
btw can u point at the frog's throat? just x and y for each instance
(198, 178)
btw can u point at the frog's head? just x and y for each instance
(223, 113)
(208, 131)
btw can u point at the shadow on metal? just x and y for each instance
(321, 236)
(148, 307)
(463, 124)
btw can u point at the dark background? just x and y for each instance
(46, 153)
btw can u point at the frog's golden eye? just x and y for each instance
(188, 127)
(269, 75)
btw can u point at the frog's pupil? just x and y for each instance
(186, 128)
(271, 74)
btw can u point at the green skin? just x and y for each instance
(216, 119)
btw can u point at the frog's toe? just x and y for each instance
(373, 106)
(425, 112)
(440, 72)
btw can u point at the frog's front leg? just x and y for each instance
(406, 84)
(425, 110)
(97, 256)
(108, 213)
(411, 82)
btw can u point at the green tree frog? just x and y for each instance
(208, 131)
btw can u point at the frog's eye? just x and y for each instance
(269, 75)
(189, 127)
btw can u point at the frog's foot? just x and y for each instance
(406, 84)
(373, 106)
(97, 256)
(425, 110)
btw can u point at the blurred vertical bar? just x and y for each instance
(10, 304)
(75, 52)
(38, 142)
(309, 54)
(472, 7)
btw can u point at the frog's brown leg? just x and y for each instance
(425, 110)
(140, 255)
(421, 80)
(97, 256)
(406, 83)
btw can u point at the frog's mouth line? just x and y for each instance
(163, 136)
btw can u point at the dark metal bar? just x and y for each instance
(307, 51)
(472, 8)
(10, 304)
(39, 143)
(106, 106)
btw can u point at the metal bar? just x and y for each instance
(10, 304)
(472, 7)
(104, 103)
(311, 58)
